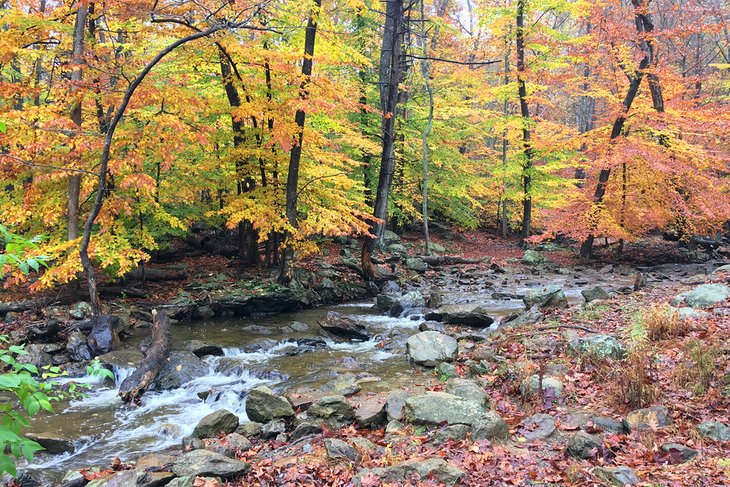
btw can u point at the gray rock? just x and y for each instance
(533, 258)
(103, 337)
(303, 430)
(249, 429)
(395, 405)
(530, 386)
(342, 327)
(81, 311)
(334, 411)
(648, 418)
(547, 297)
(397, 249)
(343, 385)
(445, 370)
(394, 426)
(180, 368)
(201, 349)
(125, 478)
(432, 326)
(435, 468)
(272, 429)
(467, 389)
(599, 346)
(455, 432)
(221, 421)
(204, 462)
(341, 449)
(35, 356)
(462, 314)
(416, 264)
(189, 443)
(152, 479)
(722, 269)
(704, 296)
(688, 313)
(583, 445)
(370, 413)
(299, 327)
(715, 430)
(593, 422)
(435, 408)
(185, 481)
(396, 304)
(618, 476)
(529, 317)
(490, 426)
(262, 405)
(537, 427)
(390, 237)
(230, 445)
(680, 452)
(429, 348)
(436, 248)
(77, 348)
(595, 293)
(203, 312)
(52, 443)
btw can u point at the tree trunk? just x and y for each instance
(525, 113)
(426, 73)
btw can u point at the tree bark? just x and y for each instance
(426, 73)
(525, 113)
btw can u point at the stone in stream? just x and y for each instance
(617, 476)
(262, 405)
(462, 314)
(432, 468)
(221, 421)
(201, 349)
(704, 296)
(435, 408)
(153, 479)
(180, 368)
(547, 297)
(648, 418)
(595, 293)
(432, 326)
(341, 449)
(334, 411)
(715, 430)
(395, 304)
(52, 443)
(343, 328)
(598, 346)
(343, 385)
(583, 445)
(204, 462)
(103, 337)
(678, 453)
(429, 348)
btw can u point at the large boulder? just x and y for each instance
(600, 346)
(429, 348)
(461, 314)
(204, 462)
(547, 297)
(704, 296)
(221, 421)
(400, 473)
(262, 405)
(180, 368)
(435, 408)
(343, 328)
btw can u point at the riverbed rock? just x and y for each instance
(454, 432)
(180, 368)
(704, 296)
(303, 430)
(395, 405)
(221, 421)
(547, 297)
(344, 328)
(334, 411)
(648, 418)
(396, 304)
(435, 408)
(583, 445)
(416, 264)
(124, 358)
(429, 348)
(715, 430)
(537, 427)
(597, 346)
(617, 476)
(343, 385)
(435, 468)
(52, 443)
(533, 258)
(490, 426)
(272, 429)
(201, 348)
(204, 462)
(341, 449)
(529, 317)
(595, 293)
(262, 405)
(230, 445)
(467, 389)
(678, 452)
(103, 337)
(81, 311)
(154, 460)
(432, 326)
(530, 386)
(125, 478)
(461, 314)
(35, 356)
(370, 413)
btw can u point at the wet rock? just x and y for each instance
(334, 411)
(170, 429)
(230, 445)
(342, 327)
(533, 258)
(249, 429)
(272, 429)
(204, 462)
(704, 296)
(455, 432)
(416, 264)
(618, 476)
(531, 386)
(678, 453)
(467, 389)
(461, 314)
(81, 311)
(529, 317)
(35, 356)
(429, 348)
(547, 297)
(52, 443)
(343, 385)
(583, 445)
(715, 430)
(395, 304)
(370, 413)
(599, 346)
(103, 337)
(432, 326)
(201, 349)
(395, 405)
(435, 408)
(595, 293)
(341, 449)
(221, 421)
(537, 427)
(490, 426)
(125, 478)
(303, 430)
(180, 368)
(121, 358)
(432, 468)
(259, 330)
(262, 405)
(648, 418)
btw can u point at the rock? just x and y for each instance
(416, 264)
(595, 293)
(722, 269)
(342, 327)
(262, 405)
(593, 423)
(390, 237)
(395, 405)
(201, 349)
(394, 426)
(432, 326)
(189, 443)
(334, 411)
(103, 337)
(303, 430)
(230, 445)
(432, 468)
(154, 460)
(715, 430)
(490, 426)
(221, 421)
(436, 248)
(467, 389)
(618, 476)
(529, 317)
(180, 368)
(688, 313)
(678, 453)
(341, 449)
(249, 429)
(370, 413)
(455, 432)
(343, 385)
(203, 312)
(35, 356)
(648, 418)
(397, 249)
(461, 314)
(530, 387)
(299, 327)
(125, 478)
(435, 408)
(547, 297)
(583, 445)
(81, 311)
(704, 296)
(533, 258)
(77, 348)
(52, 443)
(599, 346)
(429, 348)
(204, 462)
(153, 479)
(537, 427)
(185, 481)
(124, 359)
(445, 370)
(395, 304)
(272, 429)
(170, 429)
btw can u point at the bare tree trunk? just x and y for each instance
(426, 73)
(525, 113)
(504, 217)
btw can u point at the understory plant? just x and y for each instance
(633, 378)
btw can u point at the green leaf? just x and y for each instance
(3, 127)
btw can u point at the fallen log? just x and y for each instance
(437, 260)
(146, 274)
(134, 386)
